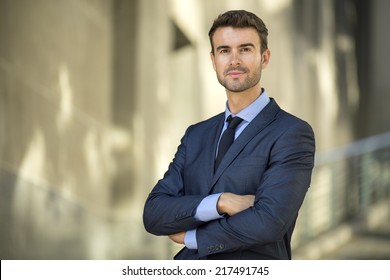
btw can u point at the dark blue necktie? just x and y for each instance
(227, 138)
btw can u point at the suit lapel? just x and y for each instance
(262, 120)
(214, 132)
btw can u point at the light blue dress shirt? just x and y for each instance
(207, 209)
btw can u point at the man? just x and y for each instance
(243, 204)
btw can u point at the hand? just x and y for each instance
(232, 204)
(178, 237)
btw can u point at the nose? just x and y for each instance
(235, 59)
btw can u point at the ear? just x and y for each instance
(265, 57)
(213, 60)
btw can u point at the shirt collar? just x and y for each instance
(252, 110)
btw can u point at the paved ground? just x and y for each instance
(367, 245)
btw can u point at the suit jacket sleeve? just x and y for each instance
(278, 197)
(167, 209)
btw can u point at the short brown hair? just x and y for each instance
(240, 19)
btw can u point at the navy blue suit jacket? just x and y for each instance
(272, 159)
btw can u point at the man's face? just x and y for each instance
(237, 59)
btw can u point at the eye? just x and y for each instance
(224, 51)
(245, 50)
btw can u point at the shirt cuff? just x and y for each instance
(207, 208)
(190, 239)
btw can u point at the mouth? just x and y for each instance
(235, 74)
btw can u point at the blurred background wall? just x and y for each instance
(96, 94)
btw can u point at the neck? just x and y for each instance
(237, 101)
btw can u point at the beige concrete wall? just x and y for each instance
(55, 96)
(95, 96)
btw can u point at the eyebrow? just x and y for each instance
(241, 46)
(247, 45)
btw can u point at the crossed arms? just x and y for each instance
(228, 203)
(257, 218)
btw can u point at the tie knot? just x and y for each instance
(233, 122)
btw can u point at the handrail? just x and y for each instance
(346, 182)
(356, 148)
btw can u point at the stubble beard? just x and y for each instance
(235, 85)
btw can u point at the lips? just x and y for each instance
(235, 74)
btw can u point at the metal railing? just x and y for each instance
(346, 183)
